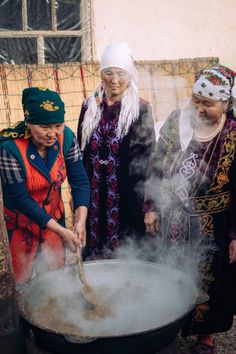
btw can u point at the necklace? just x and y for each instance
(204, 138)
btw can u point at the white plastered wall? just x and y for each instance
(168, 29)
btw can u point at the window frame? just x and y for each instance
(86, 36)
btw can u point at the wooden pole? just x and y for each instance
(11, 336)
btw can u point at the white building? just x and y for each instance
(154, 29)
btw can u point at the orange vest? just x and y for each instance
(28, 240)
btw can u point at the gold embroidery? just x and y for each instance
(205, 267)
(200, 310)
(26, 113)
(208, 204)
(48, 106)
(10, 135)
(225, 161)
(207, 224)
(171, 143)
(208, 277)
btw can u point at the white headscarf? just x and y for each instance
(185, 126)
(116, 55)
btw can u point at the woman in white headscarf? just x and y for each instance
(196, 170)
(116, 136)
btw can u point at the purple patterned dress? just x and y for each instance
(116, 209)
(104, 157)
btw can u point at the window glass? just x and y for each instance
(62, 49)
(39, 15)
(11, 15)
(18, 50)
(23, 50)
(68, 15)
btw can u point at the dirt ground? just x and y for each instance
(226, 344)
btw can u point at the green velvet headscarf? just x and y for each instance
(41, 106)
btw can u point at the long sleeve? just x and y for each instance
(14, 181)
(77, 176)
(232, 178)
(142, 143)
(155, 167)
(81, 119)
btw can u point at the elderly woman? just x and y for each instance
(196, 169)
(35, 158)
(116, 136)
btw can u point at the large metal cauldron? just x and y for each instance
(148, 303)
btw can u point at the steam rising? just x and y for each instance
(149, 284)
(140, 295)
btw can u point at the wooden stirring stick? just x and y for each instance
(87, 291)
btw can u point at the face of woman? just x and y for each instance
(115, 82)
(206, 110)
(45, 135)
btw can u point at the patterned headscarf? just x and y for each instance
(40, 106)
(215, 83)
(116, 55)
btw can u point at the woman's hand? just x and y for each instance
(80, 231)
(232, 251)
(80, 224)
(76, 238)
(69, 238)
(151, 221)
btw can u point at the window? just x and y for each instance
(10, 15)
(68, 15)
(18, 50)
(45, 31)
(56, 49)
(39, 15)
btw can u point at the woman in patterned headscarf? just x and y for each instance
(35, 158)
(196, 167)
(116, 135)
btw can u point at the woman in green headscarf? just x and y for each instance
(35, 158)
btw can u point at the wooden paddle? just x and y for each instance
(88, 291)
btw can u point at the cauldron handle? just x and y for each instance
(80, 339)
